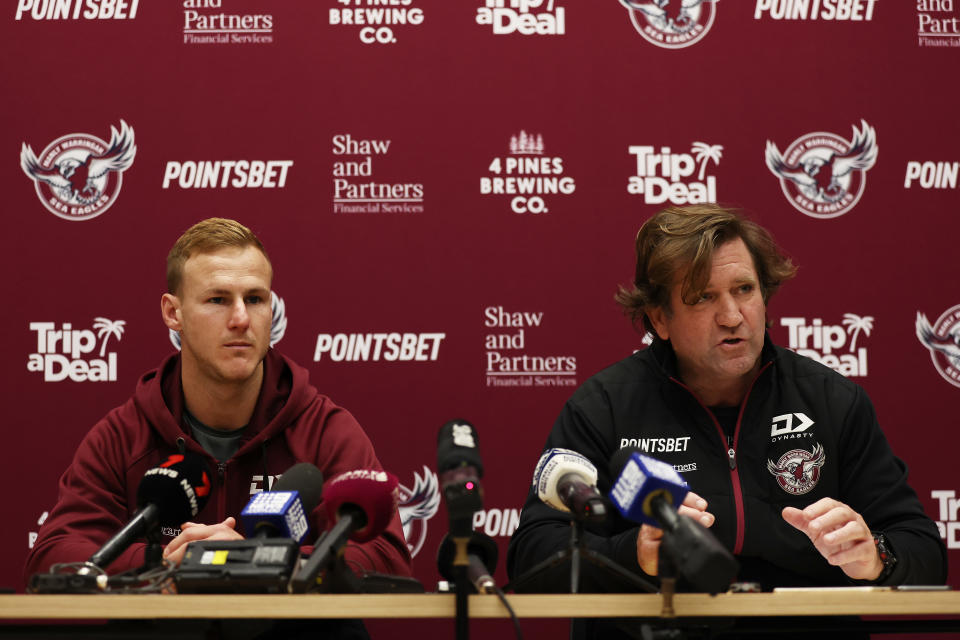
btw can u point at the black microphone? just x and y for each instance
(460, 469)
(169, 495)
(482, 555)
(651, 491)
(567, 481)
(361, 504)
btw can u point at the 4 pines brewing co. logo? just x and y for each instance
(672, 24)
(78, 176)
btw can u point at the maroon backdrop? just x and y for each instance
(470, 176)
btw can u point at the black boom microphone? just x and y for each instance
(169, 495)
(460, 470)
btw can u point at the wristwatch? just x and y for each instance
(886, 557)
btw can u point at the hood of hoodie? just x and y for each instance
(284, 395)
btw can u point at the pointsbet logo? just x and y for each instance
(377, 347)
(77, 9)
(67, 353)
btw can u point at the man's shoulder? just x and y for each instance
(807, 372)
(622, 377)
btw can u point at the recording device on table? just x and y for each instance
(169, 494)
(361, 504)
(276, 523)
(650, 491)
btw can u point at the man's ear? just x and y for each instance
(658, 316)
(170, 310)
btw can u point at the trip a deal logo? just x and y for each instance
(822, 174)
(78, 176)
(672, 24)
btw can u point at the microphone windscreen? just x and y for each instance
(639, 481)
(372, 492)
(457, 446)
(307, 480)
(553, 465)
(179, 487)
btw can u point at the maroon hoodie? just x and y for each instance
(291, 423)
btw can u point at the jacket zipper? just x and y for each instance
(222, 496)
(731, 449)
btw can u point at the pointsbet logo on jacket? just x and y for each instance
(78, 176)
(67, 353)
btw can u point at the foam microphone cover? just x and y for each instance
(372, 492)
(457, 446)
(555, 464)
(179, 487)
(307, 480)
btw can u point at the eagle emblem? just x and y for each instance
(417, 505)
(671, 24)
(798, 471)
(822, 174)
(943, 340)
(77, 176)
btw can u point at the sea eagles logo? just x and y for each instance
(417, 505)
(822, 174)
(78, 176)
(798, 471)
(943, 340)
(672, 24)
(278, 325)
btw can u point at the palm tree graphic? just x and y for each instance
(706, 152)
(108, 328)
(856, 324)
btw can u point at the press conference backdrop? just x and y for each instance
(449, 193)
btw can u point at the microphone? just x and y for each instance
(460, 469)
(482, 555)
(650, 491)
(169, 495)
(276, 522)
(283, 512)
(361, 503)
(567, 481)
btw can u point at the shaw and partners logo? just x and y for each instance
(71, 353)
(938, 23)
(78, 176)
(821, 174)
(220, 27)
(942, 338)
(825, 342)
(508, 361)
(672, 24)
(354, 188)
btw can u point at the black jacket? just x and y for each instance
(796, 409)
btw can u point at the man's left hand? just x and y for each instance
(192, 532)
(840, 535)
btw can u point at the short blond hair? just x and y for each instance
(205, 237)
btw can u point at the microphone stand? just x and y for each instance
(575, 553)
(461, 562)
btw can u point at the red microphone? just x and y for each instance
(361, 503)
